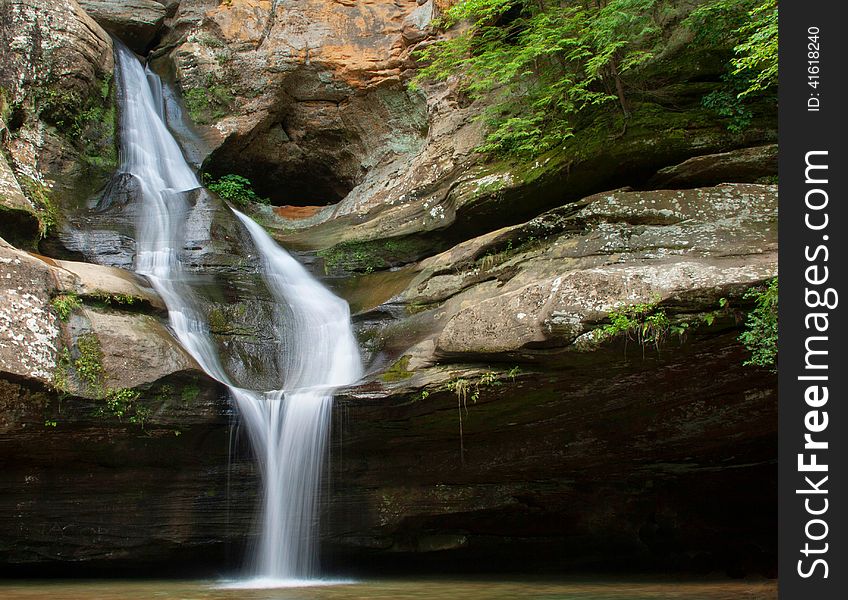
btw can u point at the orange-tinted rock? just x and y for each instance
(297, 212)
(318, 89)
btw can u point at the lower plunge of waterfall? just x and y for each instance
(288, 427)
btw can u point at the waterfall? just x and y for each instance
(288, 428)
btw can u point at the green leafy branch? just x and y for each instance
(236, 189)
(760, 335)
(542, 63)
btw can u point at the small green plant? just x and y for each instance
(647, 324)
(89, 364)
(218, 322)
(120, 401)
(460, 388)
(115, 299)
(709, 318)
(465, 389)
(50, 423)
(65, 304)
(726, 103)
(210, 41)
(142, 413)
(164, 393)
(124, 402)
(5, 104)
(56, 106)
(351, 256)
(493, 258)
(222, 57)
(86, 121)
(190, 393)
(368, 256)
(760, 335)
(236, 189)
(64, 364)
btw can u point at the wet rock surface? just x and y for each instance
(82, 491)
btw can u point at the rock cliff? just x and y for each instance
(57, 102)
(508, 405)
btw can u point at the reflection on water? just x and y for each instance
(412, 589)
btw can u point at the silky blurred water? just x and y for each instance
(289, 426)
(413, 589)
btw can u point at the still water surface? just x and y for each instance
(412, 589)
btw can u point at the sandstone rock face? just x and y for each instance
(52, 42)
(551, 281)
(666, 461)
(81, 490)
(745, 165)
(20, 216)
(305, 97)
(667, 246)
(135, 22)
(512, 414)
(86, 481)
(29, 330)
(58, 107)
(136, 349)
(88, 494)
(99, 281)
(323, 114)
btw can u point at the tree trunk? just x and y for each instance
(619, 90)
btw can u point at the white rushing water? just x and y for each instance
(288, 428)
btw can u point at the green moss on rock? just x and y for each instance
(39, 194)
(371, 255)
(208, 104)
(398, 371)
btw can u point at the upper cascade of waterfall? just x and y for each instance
(288, 427)
(148, 150)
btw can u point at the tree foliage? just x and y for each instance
(235, 189)
(750, 27)
(542, 62)
(760, 335)
(756, 54)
